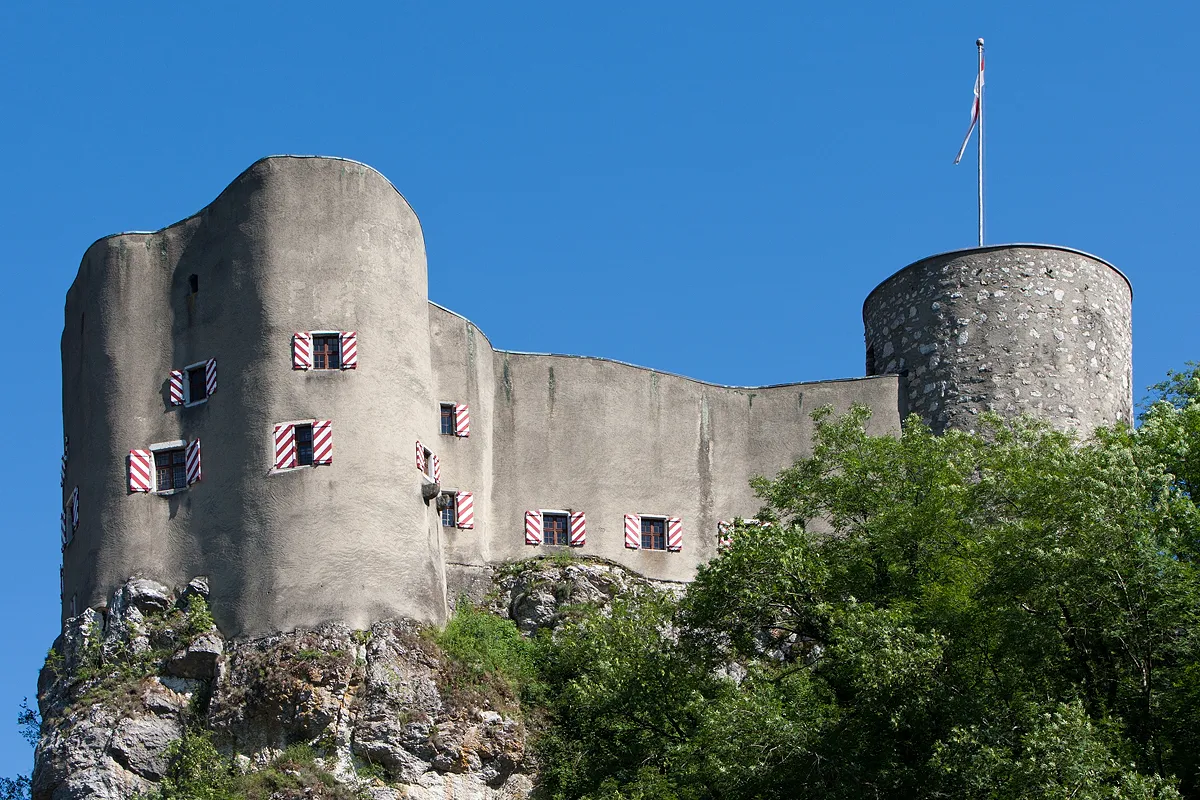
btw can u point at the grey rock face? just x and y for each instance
(130, 680)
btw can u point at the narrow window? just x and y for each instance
(447, 419)
(197, 383)
(304, 445)
(171, 469)
(870, 360)
(654, 533)
(327, 351)
(554, 529)
(447, 509)
(194, 283)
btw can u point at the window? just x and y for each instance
(197, 384)
(170, 467)
(554, 528)
(193, 384)
(194, 283)
(448, 419)
(654, 533)
(446, 507)
(327, 351)
(304, 445)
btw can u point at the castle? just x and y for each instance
(263, 394)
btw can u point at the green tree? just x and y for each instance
(1003, 614)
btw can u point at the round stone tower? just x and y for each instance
(1025, 328)
(292, 245)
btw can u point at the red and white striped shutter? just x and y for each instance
(420, 456)
(176, 387)
(462, 420)
(192, 461)
(141, 478)
(75, 509)
(349, 349)
(675, 534)
(301, 350)
(210, 376)
(322, 433)
(578, 536)
(437, 468)
(633, 531)
(285, 446)
(533, 527)
(724, 533)
(464, 510)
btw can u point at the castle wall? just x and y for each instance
(291, 245)
(317, 244)
(1012, 329)
(609, 439)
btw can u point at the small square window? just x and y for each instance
(654, 533)
(447, 508)
(170, 467)
(327, 351)
(554, 529)
(197, 379)
(447, 419)
(304, 445)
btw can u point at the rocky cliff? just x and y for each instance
(326, 713)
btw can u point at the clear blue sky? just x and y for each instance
(705, 188)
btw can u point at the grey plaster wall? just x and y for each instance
(293, 244)
(609, 439)
(1013, 329)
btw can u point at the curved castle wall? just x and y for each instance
(1013, 329)
(292, 245)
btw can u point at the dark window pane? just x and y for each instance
(448, 420)
(169, 469)
(197, 385)
(554, 528)
(654, 534)
(304, 445)
(327, 352)
(448, 516)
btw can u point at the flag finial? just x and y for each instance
(979, 42)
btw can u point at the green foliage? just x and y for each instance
(487, 654)
(199, 618)
(29, 722)
(1008, 614)
(14, 788)
(196, 771)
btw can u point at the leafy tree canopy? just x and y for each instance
(1003, 614)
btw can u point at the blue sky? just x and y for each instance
(705, 188)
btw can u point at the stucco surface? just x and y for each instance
(1012, 329)
(292, 245)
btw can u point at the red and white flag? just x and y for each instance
(974, 109)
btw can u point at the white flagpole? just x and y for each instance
(979, 44)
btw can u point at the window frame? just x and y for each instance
(202, 366)
(451, 508)
(443, 418)
(566, 530)
(313, 336)
(296, 443)
(160, 447)
(428, 471)
(661, 519)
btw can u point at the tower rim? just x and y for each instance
(990, 248)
